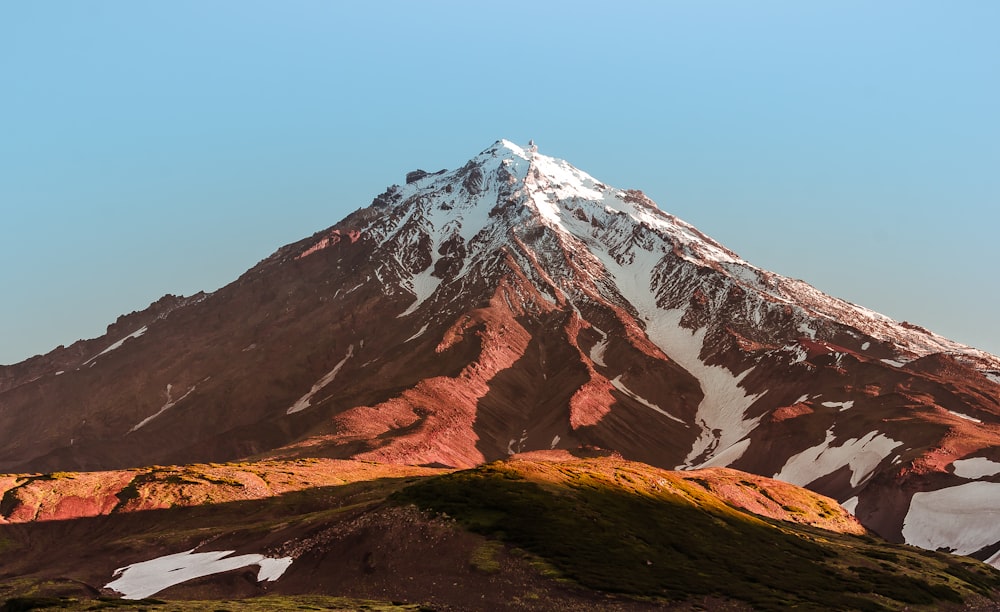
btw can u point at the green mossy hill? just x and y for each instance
(678, 541)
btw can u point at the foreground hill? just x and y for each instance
(540, 531)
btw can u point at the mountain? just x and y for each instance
(538, 531)
(518, 304)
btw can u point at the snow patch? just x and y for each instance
(861, 455)
(866, 346)
(722, 411)
(728, 456)
(167, 406)
(799, 353)
(145, 579)
(555, 440)
(994, 561)
(617, 382)
(893, 363)
(353, 289)
(977, 467)
(117, 345)
(851, 505)
(965, 416)
(842, 405)
(962, 519)
(305, 400)
(418, 334)
(519, 442)
(597, 351)
(422, 285)
(272, 568)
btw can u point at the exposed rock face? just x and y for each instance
(518, 304)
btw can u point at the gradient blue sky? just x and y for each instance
(151, 148)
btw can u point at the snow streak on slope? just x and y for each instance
(618, 384)
(721, 413)
(304, 401)
(167, 406)
(117, 345)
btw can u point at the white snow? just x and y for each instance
(866, 346)
(304, 401)
(862, 455)
(167, 406)
(418, 334)
(519, 442)
(963, 519)
(272, 568)
(145, 579)
(557, 183)
(422, 285)
(993, 377)
(617, 382)
(117, 345)
(994, 560)
(807, 330)
(728, 456)
(893, 363)
(842, 405)
(802, 399)
(799, 352)
(975, 468)
(597, 351)
(851, 505)
(555, 440)
(965, 416)
(721, 413)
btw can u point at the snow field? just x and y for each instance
(963, 519)
(145, 579)
(975, 468)
(861, 455)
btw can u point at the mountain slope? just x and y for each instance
(519, 304)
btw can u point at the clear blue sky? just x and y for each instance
(151, 148)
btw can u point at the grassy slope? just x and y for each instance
(613, 531)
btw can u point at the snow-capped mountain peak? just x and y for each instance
(518, 303)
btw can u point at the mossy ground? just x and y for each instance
(678, 544)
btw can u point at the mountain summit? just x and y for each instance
(519, 304)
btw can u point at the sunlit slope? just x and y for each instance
(624, 527)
